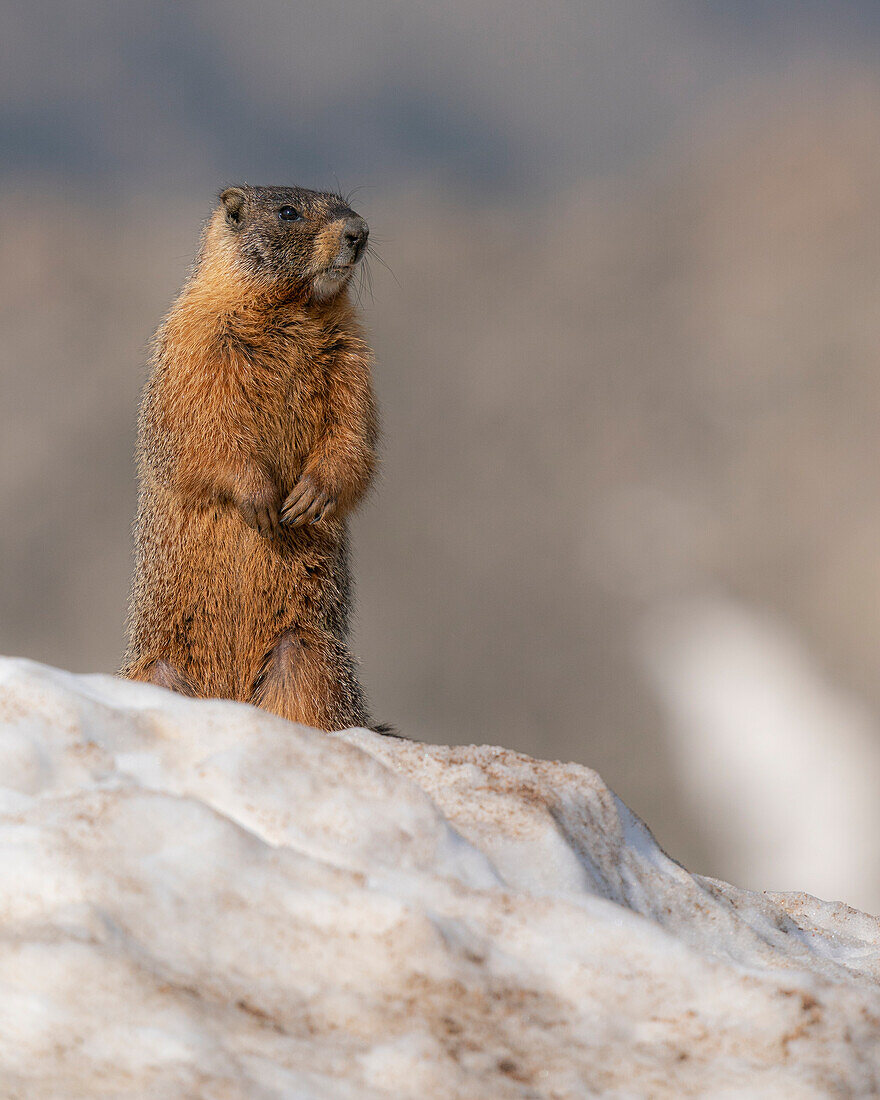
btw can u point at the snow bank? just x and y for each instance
(749, 710)
(200, 900)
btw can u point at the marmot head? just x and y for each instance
(309, 241)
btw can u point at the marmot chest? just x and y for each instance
(289, 406)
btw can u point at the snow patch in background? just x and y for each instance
(199, 899)
(782, 768)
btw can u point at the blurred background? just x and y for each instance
(627, 360)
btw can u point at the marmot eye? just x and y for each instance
(289, 214)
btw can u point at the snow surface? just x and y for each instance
(200, 900)
(749, 710)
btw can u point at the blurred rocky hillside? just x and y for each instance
(656, 386)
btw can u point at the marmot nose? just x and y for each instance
(355, 233)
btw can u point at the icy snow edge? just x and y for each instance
(200, 900)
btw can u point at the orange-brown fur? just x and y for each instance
(260, 393)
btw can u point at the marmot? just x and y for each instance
(257, 438)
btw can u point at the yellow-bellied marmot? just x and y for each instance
(257, 438)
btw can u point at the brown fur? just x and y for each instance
(257, 438)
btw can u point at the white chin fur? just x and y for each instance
(326, 285)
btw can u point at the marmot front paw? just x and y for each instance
(307, 503)
(260, 511)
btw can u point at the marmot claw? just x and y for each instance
(307, 503)
(261, 514)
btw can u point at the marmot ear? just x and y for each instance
(235, 201)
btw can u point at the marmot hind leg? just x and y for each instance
(308, 676)
(155, 670)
